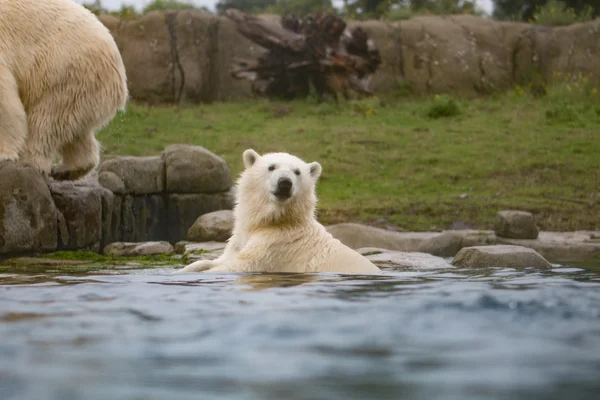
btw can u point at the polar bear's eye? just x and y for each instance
(297, 172)
(271, 167)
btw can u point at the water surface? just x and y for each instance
(448, 334)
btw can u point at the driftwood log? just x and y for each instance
(315, 50)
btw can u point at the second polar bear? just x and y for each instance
(275, 229)
(61, 79)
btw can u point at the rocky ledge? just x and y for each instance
(130, 199)
(557, 247)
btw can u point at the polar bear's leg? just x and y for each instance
(13, 120)
(41, 142)
(79, 157)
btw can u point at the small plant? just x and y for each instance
(573, 86)
(443, 106)
(555, 13)
(366, 107)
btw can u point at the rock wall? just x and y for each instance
(132, 199)
(184, 56)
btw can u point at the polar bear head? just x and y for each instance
(277, 186)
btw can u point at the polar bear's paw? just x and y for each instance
(63, 173)
(198, 266)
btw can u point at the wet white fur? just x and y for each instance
(270, 235)
(61, 79)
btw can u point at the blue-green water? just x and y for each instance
(451, 334)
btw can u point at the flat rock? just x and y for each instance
(515, 225)
(357, 236)
(399, 259)
(133, 175)
(506, 256)
(194, 169)
(214, 226)
(126, 249)
(200, 251)
(28, 216)
(443, 244)
(558, 247)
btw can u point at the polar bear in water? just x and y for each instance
(275, 229)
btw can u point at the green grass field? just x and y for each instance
(416, 163)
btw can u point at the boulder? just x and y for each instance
(28, 217)
(184, 209)
(125, 249)
(233, 45)
(356, 236)
(153, 76)
(472, 237)
(170, 55)
(578, 246)
(80, 204)
(505, 256)
(397, 259)
(194, 169)
(143, 218)
(195, 43)
(515, 225)
(214, 226)
(133, 175)
(112, 182)
(443, 244)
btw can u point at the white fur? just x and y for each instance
(271, 235)
(61, 79)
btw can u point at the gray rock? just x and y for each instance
(194, 169)
(356, 236)
(506, 256)
(214, 226)
(112, 182)
(108, 200)
(200, 251)
(472, 238)
(397, 259)
(445, 244)
(111, 224)
(143, 218)
(81, 206)
(125, 249)
(28, 217)
(560, 247)
(138, 175)
(184, 209)
(515, 225)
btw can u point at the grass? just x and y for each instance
(407, 162)
(89, 256)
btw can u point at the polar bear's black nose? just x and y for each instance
(284, 187)
(284, 184)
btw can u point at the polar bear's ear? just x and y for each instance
(250, 157)
(315, 170)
